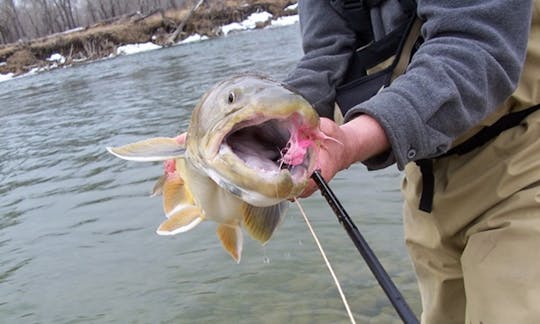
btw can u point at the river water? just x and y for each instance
(77, 226)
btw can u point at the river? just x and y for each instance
(77, 225)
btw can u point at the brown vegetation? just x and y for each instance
(102, 39)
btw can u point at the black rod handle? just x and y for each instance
(397, 300)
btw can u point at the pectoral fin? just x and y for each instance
(181, 221)
(260, 222)
(231, 239)
(153, 149)
(175, 195)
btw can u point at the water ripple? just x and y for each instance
(78, 240)
(9, 272)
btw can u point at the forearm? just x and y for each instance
(364, 139)
(469, 64)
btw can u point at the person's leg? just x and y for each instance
(484, 227)
(501, 262)
(438, 269)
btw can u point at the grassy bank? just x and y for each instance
(102, 39)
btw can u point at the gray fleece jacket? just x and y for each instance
(469, 63)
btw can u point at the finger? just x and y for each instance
(328, 126)
(311, 187)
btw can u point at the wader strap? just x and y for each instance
(409, 6)
(492, 131)
(428, 185)
(373, 67)
(482, 137)
(409, 47)
(356, 14)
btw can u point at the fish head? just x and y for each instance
(255, 138)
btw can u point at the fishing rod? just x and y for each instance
(397, 300)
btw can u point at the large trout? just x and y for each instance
(250, 147)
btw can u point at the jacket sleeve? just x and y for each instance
(469, 63)
(328, 44)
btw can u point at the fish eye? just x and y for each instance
(232, 97)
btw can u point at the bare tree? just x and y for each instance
(12, 20)
(3, 34)
(34, 22)
(39, 15)
(174, 36)
(47, 15)
(91, 12)
(65, 13)
(35, 18)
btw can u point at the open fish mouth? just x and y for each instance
(262, 146)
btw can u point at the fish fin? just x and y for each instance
(175, 195)
(260, 222)
(231, 239)
(181, 221)
(158, 186)
(152, 149)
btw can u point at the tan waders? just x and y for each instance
(477, 254)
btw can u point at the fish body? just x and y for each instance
(250, 147)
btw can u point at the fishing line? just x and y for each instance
(328, 265)
(393, 294)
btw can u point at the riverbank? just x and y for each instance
(135, 33)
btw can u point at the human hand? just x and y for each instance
(354, 141)
(331, 156)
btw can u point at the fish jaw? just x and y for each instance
(260, 146)
(265, 159)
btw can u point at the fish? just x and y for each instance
(249, 149)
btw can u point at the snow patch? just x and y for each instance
(136, 48)
(285, 21)
(249, 23)
(57, 58)
(5, 77)
(292, 7)
(193, 38)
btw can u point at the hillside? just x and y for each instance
(162, 27)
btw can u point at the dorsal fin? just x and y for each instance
(260, 222)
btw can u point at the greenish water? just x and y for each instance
(77, 228)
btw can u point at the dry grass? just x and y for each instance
(102, 39)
